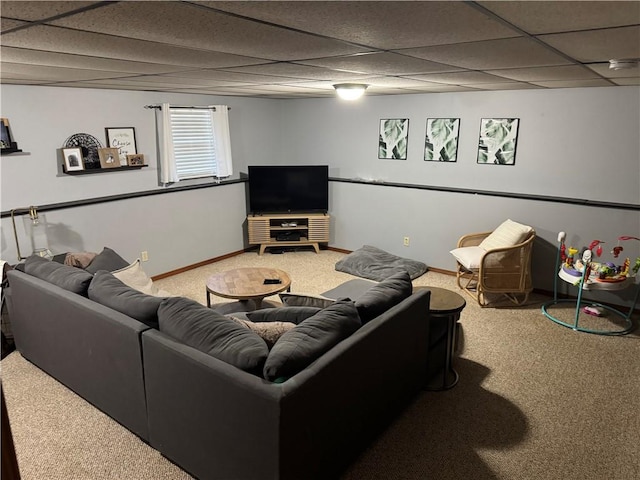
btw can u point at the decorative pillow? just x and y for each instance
(469, 257)
(111, 292)
(70, 278)
(270, 332)
(107, 260)
(290, 314)
(302, 345)
(212, 333)
(508, 234)
(298, 300)
(135, 277)
(383, 296)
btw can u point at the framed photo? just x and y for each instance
(497, 143)
(5, 134)
(393, 138)
(124, 139)
(135, 160)
(72, 159)
(441, 140)
(109, 157)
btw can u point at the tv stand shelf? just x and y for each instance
(276, 230)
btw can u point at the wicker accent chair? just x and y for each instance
(495, 263)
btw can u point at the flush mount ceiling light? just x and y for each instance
(623, 64)
(350, 91)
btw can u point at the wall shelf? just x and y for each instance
(104, 170)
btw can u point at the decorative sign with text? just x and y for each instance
(124, 139)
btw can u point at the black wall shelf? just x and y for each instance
(104, 170)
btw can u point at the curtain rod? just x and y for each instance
(159, 107)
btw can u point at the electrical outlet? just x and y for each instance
(144, 256)
(406, 241)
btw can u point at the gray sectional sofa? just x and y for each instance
(213, 419)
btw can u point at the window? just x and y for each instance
(194, 142)
(194, 145)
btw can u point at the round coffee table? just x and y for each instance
(247, 284)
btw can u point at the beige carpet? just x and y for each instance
(535, 401)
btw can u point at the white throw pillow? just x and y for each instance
(508, 234)
(134, 277)
(469, 257)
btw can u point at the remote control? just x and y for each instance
(271, 281)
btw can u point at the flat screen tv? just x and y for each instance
(284, 189)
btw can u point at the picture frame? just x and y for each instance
(441, 140)
(497, 141)
(6, 142)
(136, 160)
(109, 157)
(124, 139)
(393, 138)
(73, 161)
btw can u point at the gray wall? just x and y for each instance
(577, 143)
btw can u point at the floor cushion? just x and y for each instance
(375, 264)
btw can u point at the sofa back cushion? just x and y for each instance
(383, 296)
(107, 260)
(70, 278)
(299, 347)
(212, 333)
(111, 292)
(289, 314)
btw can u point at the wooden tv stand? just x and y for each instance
(264, 230)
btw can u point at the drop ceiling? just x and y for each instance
(301, 48)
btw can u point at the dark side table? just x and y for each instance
(447, 305)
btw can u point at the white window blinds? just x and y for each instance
(195, 142)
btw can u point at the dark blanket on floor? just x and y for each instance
(375, 264)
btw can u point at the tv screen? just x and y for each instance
(281, 189)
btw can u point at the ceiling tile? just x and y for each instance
(38, 57)
(284, 69)
(232, 77)
(105, 46)
(384, 25)
(34, 11)
(39, 72)
(574, 83)
(598, 45)
(399, 82)
(504, 86)
(626, 81)
(443, 89)
(491, 54)
(565, 72)
(186, 25)
(6, 24)
(553, 16)
(604, 70)
(460, 78)
(381, 63)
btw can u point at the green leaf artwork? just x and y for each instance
(497, 143)
(441, 141)
(392, 141)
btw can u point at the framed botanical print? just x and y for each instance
(497, 142)
(441, 140)
(393, 138)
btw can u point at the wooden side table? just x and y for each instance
(447, 305)
(247, 284)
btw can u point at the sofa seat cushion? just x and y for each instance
(111, 292)
(107, 260)
(384, 295)
(212, 333)
(302, 345)
(69, 278)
